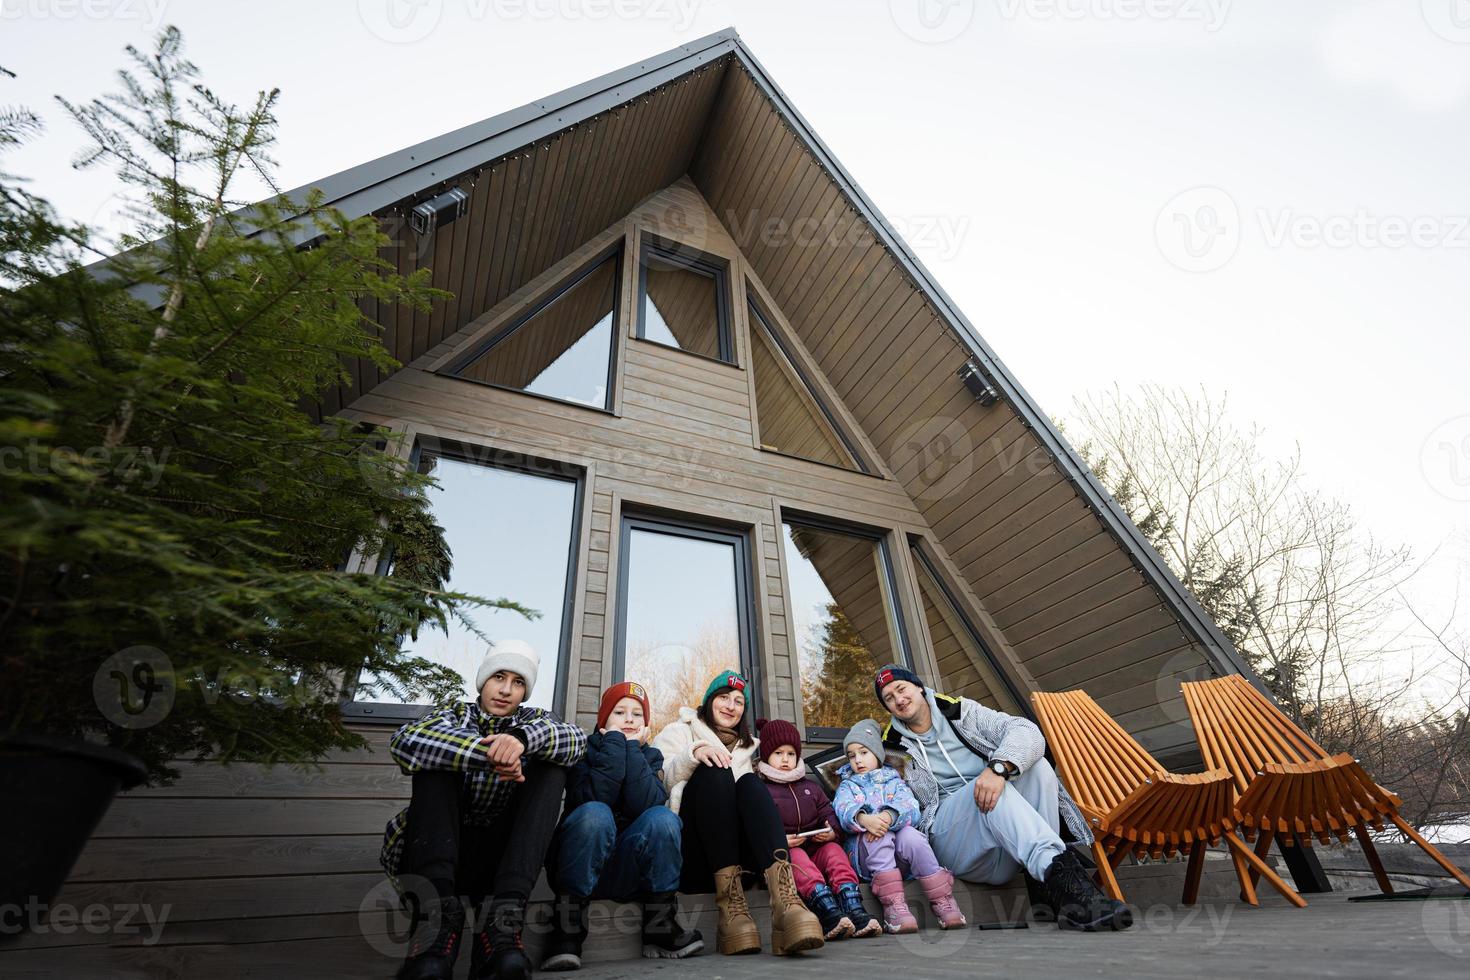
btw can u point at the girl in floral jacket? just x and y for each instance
(877, 806)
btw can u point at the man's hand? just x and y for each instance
(988, 788)
(505, 751)
(712, 755)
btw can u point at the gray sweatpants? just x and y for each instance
(1020, 832)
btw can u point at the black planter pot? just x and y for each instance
(55, 790)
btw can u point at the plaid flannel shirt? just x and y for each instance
(449, 738)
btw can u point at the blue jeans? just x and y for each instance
(591, 859)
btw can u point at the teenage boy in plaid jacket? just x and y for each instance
(488, 777)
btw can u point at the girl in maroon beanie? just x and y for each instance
(824, 876)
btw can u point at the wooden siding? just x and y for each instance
(1073, 606)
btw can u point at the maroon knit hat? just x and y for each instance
(775, 733)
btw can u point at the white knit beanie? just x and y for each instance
(514, 655)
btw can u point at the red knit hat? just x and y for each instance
(616, 693)
(775, 733)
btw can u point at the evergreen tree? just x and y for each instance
(841, 693)
(165, 484)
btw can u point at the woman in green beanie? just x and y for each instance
(731, 826)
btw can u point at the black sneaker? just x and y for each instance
(1041, 908)
(835, 925)
(433, 945)
(663, 937)
(568, 934)
(499, 952)
(864, 923)
(1079, 903)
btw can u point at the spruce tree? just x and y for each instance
(174, 512)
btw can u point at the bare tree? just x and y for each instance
(1305, 594)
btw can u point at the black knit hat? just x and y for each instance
(889, 673)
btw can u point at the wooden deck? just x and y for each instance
(1220, 937)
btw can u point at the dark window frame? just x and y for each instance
(919, 548)
(395, 712)
(764, 322)
(880, 536)
(746, 621)
(702, 263)
(614, 253)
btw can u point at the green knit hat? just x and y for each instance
(728, 678)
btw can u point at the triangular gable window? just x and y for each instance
(561, 348)
(792, 420)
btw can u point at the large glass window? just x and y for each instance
(511, 531)
(847, 621)
(562, 349)
(791, 418)
(683, 301)
(962, 656)
(684, 611)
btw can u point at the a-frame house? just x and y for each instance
(695, 401)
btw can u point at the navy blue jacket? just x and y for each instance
(623, 774)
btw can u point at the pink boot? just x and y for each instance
(888, 886)
(939, 890)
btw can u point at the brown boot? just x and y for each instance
(736, 932)
(794, 929)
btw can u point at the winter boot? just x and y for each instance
(568, 933)
(793, 927)
(1078, 901)
(888, 886)
(1041, 908)
(863, 923)
(433, 945)
(736, 932)
(499, 953)
(939, 890)
(663, 937)
(835, 925)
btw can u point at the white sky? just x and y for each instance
(1033, 152)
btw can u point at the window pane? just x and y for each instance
(789, 422)
(682, 619)
(964, 665)
(844, 625)
(680, 306)
(510, 534)
(564, 349)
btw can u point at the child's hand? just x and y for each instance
(825, 837)
(793, 841)
(504, 750)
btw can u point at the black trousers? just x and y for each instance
(727, 821)
(502, 859)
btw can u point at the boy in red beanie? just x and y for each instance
(617, 839)
(824, 876)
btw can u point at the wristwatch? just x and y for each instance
(1004, 770)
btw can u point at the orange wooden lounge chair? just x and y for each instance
(1135, 806)
(1290, 788)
